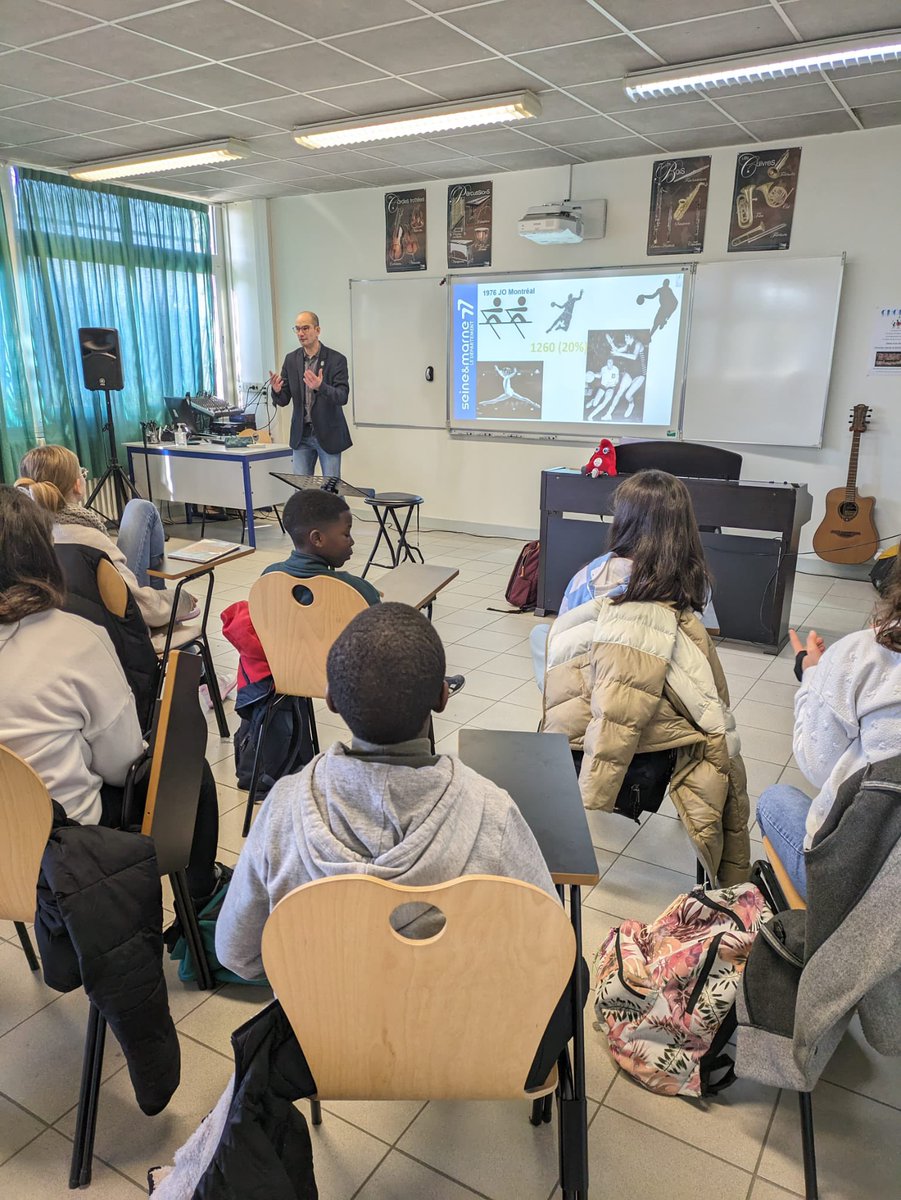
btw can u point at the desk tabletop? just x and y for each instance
(416, 584)
(180, 568)
(537, 770)
(205, 449)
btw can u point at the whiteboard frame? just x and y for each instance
(576, 432)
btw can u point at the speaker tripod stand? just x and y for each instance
(123, 489)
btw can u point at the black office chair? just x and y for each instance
(690, 459)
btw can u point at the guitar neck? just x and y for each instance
(851, 485)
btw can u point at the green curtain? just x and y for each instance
(17, 431)
(94, 255)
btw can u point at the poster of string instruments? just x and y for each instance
(763, 199)
(679, 188)
(405, 229)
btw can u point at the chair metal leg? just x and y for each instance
(187, 918)
(212, 684)
(316, 1112)
(808, 1148)
(88, 1098)
(257, 766)
(314, 732)
(278, 517)
(25, 940)
(381, 516)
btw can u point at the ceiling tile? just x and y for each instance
(872, 89)
(24, 68)
(462, 168)
(214, 29)
(218, 85)
(512, 25)
(488, 78)
(23, 24)
(20, 133)
(815, 19)
(702, 139)
(277, 145)
(288, 111)
(69, 118)
(644, 14)
(624, 147)
(410, 153)
(404, 48)
(443, 6)
(289, 172)
(111, 10)
(583, 129)
(778, 102)
(340, 162)
(804, 126)
(530, 159)
(610, 97)
(325, 18)
(662, 118)
(10, 97)
(732, 33)
(206, 126)
(588, 62)
(308, 68)
(135, 101)
(872, 116)
(380, 95)
(126, 54)
(486, 142)
(38, 157)
(146, 137)
(392, 176)
(555, 106)
(83, 149)
(333, 183)
(268, 190)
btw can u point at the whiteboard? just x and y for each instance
(760, 350)
(398, 330)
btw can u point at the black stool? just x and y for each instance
(387, 504)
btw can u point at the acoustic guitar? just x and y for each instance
(847, 533)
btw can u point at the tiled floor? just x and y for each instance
(743, 1145)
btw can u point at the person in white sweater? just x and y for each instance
(65, 705)
(847, 714)
(54, 479)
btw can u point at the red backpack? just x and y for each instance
(522, 588)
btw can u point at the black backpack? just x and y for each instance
(287, 748)
(645, 782)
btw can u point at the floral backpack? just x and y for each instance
(666, 991)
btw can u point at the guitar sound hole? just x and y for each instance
(848, 511)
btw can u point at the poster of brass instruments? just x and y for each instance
(469, 224)
(405, 228)
(763, 199)
(679, 188)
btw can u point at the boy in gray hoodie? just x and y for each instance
(384, 805)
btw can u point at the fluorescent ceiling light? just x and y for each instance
(419, 122)
(162, 160)
(771, 64)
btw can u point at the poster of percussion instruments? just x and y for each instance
(763, 199)
(469, 219)
(405, 229)
(678, 214)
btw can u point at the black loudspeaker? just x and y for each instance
(101, 363)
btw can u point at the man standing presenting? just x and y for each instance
(315, 378)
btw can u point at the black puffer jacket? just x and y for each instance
(99, 923)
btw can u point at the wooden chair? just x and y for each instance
(175, 762)
(26, 815)
(459, 1015)
(297, 620)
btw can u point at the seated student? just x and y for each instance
(65, 705)
(52, 477)
(847, 714)
(631, 670)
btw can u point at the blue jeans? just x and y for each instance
(304, 456)
(782, 816)
(142, 541)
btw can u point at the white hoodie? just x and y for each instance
(371, 811)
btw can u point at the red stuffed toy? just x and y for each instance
(602, 461)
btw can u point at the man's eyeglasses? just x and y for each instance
(303, 328)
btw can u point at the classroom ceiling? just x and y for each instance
(92, 79)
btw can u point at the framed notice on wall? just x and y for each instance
(763, 199)
(405, 230)
(469, 220)
(678, 213)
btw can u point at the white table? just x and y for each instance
(208, 473)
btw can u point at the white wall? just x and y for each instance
(847, 200)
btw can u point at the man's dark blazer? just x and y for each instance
(329, 424)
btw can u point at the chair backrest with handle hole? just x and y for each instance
(297, 620)
(382, 1016)
(179, 746)
(26, 815)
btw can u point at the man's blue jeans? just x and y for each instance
(304, 458)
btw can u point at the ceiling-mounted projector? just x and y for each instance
(564, 222)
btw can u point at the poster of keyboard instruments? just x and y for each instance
(678, 214)
(763, 199)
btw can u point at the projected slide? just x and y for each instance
(588, 349)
